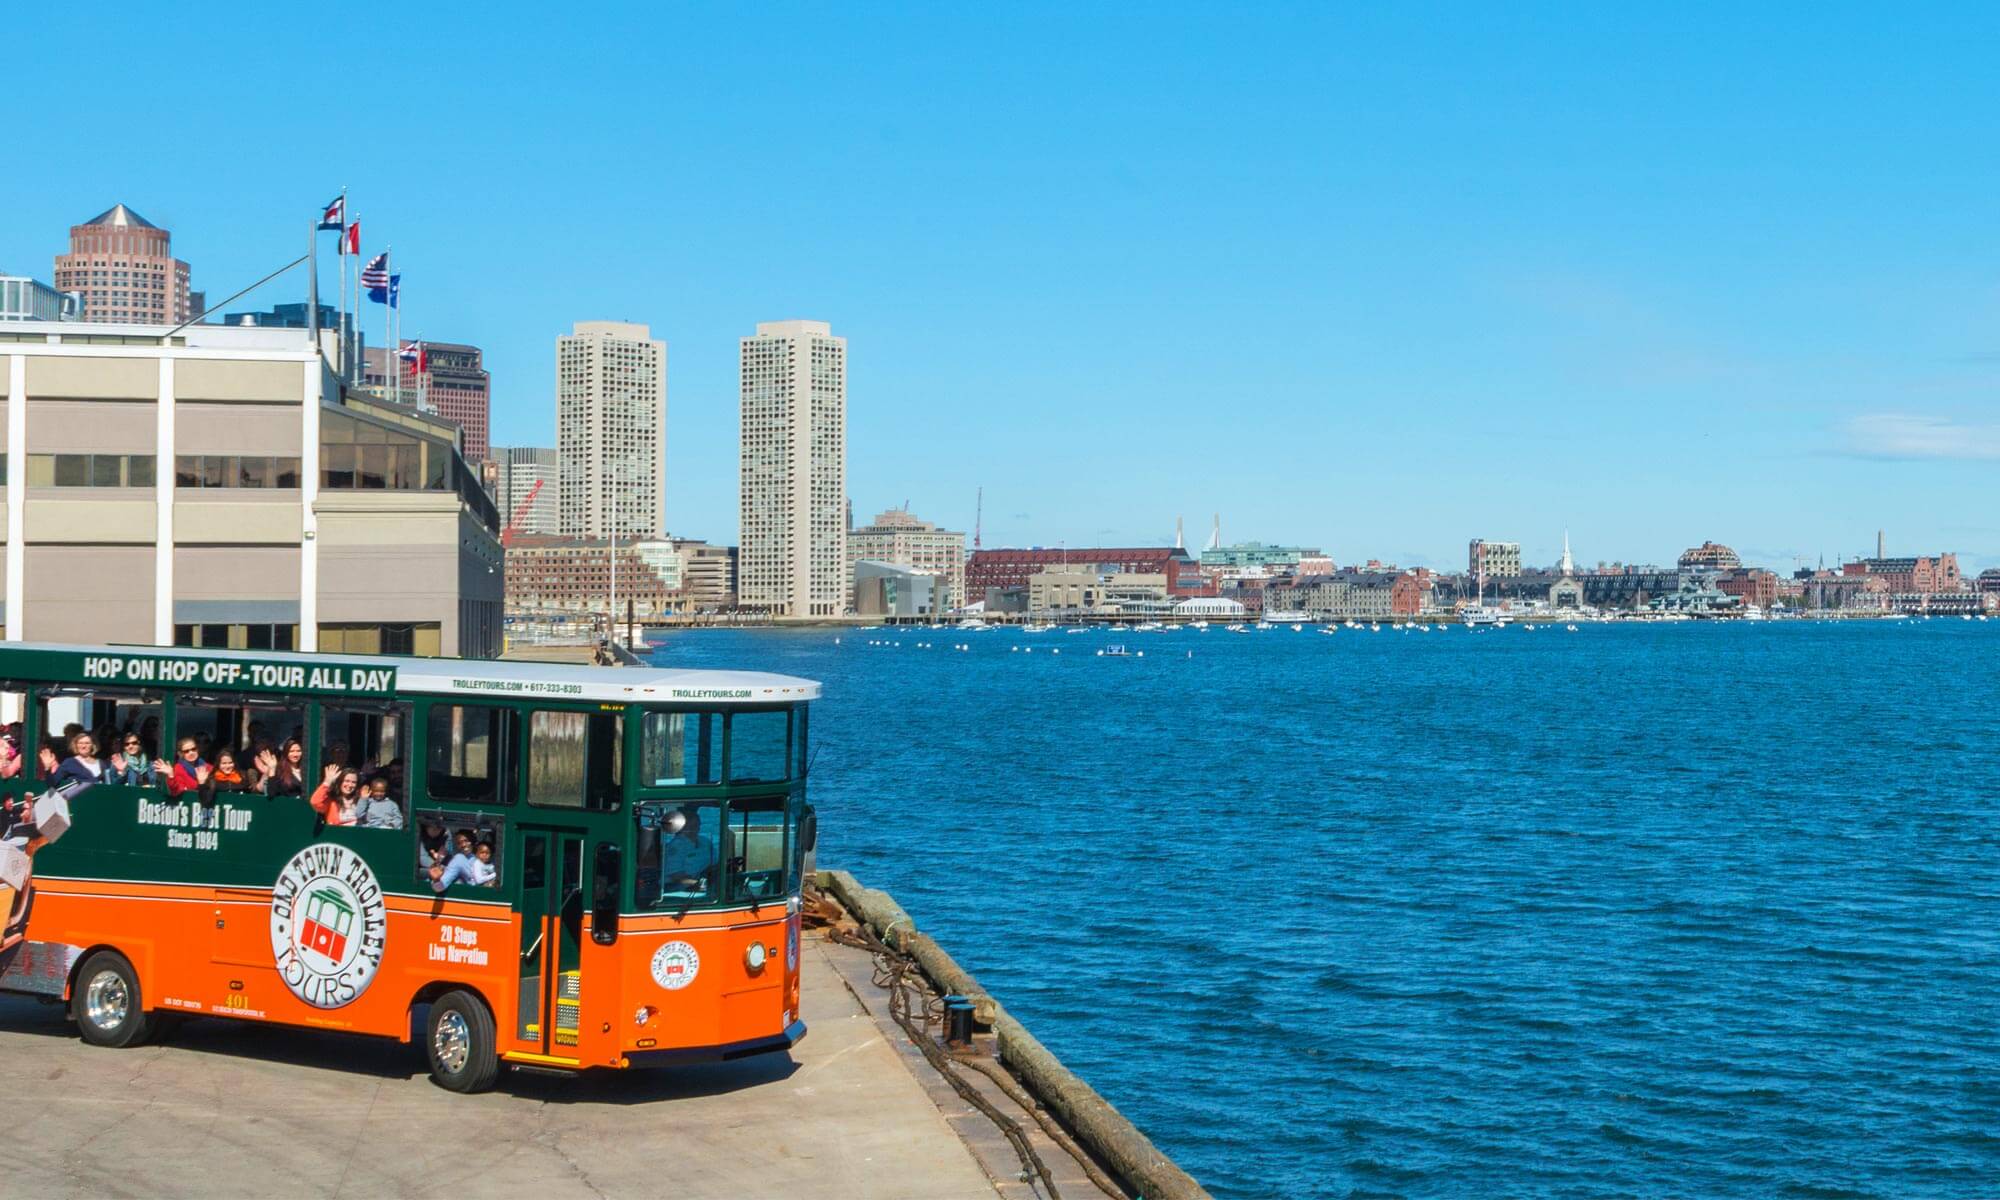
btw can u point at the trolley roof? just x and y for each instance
(280, 672)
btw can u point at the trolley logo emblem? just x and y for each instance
(328, 925)
(675, 965)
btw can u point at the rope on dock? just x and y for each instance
(1094, 1122)
(893, 971)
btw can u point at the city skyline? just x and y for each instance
(1435, 290)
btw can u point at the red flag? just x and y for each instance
(350, 241)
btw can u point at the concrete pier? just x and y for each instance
(224, 1108)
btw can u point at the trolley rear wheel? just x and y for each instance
(107, 1004)
(459, 1038)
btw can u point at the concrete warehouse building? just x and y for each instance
(221, 487)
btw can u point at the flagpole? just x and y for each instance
(393, 361)
(312, 286)
(347, 350)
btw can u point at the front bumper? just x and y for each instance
(708, 1054)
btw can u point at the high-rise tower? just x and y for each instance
(611, 430)
(793, 556)
(124, 268)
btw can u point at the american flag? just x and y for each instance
(376, 273)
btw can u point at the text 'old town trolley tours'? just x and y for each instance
(561, 866)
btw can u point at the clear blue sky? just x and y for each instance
(1379, 281)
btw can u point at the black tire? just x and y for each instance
(107, 1004)
(460, 1042)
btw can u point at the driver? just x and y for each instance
(687, 856)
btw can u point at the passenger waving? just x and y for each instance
(338, 799)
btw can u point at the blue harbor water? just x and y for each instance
(1702, 910)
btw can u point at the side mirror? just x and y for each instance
(809, 831)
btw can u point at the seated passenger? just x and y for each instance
(82, 767)
(339, 798)
(286, 776)
(46, 761)
(130, 767)
(191, 770)
(475, 868)
(11, 758)
(687, 856)
(378, 810)
(225, 777)
(433, 848)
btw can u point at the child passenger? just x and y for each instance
(472, 864)
(377, 810)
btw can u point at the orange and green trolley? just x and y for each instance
(637, 836)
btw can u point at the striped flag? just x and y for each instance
(414, 357)
(375, 277)
(335, 214)
(350, 241)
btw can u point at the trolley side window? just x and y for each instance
(575, 759)
(677, 859)
(680, 749)
(459, 849)
(467, 752)
(759, 744)
(755, 845)
(123, 728)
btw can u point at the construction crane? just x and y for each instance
(520, 514)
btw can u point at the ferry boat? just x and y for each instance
(1481, 616)
(1288, 617)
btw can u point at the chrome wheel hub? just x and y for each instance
(106, 1001)
(452, 1042)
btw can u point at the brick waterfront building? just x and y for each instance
(1013, 568)
(1753, 585)
(559, 576)
(1929, 573)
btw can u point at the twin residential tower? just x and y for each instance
(611, 454)
(792, 556)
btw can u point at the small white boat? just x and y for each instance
(1115, 650)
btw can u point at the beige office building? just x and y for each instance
(792, 554)
(708, 575)
(903, 540)
(222, 489)
(611, 431)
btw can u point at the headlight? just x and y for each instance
(754, 957)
